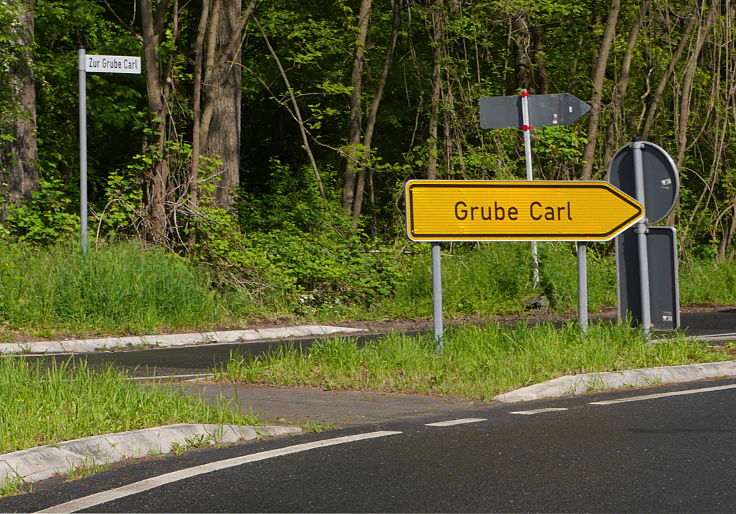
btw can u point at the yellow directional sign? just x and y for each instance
(467, 210)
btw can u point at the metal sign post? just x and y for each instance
(526, 128)
(437, 298)
(526, 111)
(583, 285)
(647, 292)
(641, 232)
(83, 149)
(94, 64)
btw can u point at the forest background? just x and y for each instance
(256, 167)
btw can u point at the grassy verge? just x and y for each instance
(477, 362)
(126, 288)
(47, 405)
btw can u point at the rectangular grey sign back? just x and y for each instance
(663, 277)
(544, 110)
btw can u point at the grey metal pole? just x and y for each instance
(83, 149)
(583, 285)
(641, 235)
(437, 297)
(526, 128)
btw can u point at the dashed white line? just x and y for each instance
(663, 395)
(538, 411)
(151, 483)
(452, 422)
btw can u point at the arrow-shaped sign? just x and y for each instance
(544, 110)
(467, 210)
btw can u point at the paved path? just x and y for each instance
(305, 405)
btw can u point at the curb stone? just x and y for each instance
(169, 340)
(570, 385)
(42, 462)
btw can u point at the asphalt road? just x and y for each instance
(673, 453)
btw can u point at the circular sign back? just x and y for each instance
(661, 180)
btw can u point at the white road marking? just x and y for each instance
(664, 395)
(455, 422)
(172, 377)
(151, 483)
(538, 411)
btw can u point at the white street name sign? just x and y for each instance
(112, 64)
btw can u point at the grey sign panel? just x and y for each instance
(544, 110)
(661, 180)
(500, 112)
(663, 277)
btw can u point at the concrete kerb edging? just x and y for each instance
(45, 462)
(169, 340)
(569, 385)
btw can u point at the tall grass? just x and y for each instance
(121, 288)
(46, 405)
(707, 282)
(496, 278)
(477, 362)
(127, 288)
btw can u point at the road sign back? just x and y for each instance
(458, 210)
(544, 110)
(661, 180)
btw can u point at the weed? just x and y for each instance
(318, 427)
(13, 484)
(89, 466)
(195, 441)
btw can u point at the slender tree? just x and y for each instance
(19, 154)
(596, 97)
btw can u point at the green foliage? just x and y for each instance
(46, 218)
(124, 208)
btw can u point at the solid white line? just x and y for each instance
(170, 377)
(454, 422)
(664, 395)
(538, 411)
(151, 483)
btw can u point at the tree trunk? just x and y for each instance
(687, 84)
(296, 112)
(157, 176)
(686, 97)
(522, 37)
(193, 182)
(619, 91)
(597, 93)
(223, 94)
(19, 157)
(354, 152)
(438, 15)
(659, 91)
(373, 113)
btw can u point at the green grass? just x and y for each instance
(707, 282)
(496, 278)
(47, 405)
(124, 288)
(477, 362)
